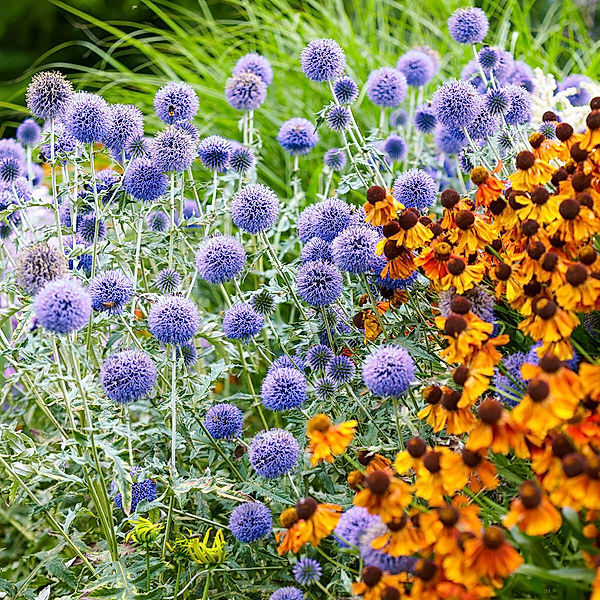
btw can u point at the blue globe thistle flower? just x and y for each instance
(242, 322)
(257, 64)
(9, 147)
(424, 118)
(29, 133)
(287, 362)
(158, 221)
(305, 224)
(341, 369)
(581, 97)
(389, 371)
(483, 126)
(497, 101)
(307, 571)
(353, 250)
(110, 291)
(127, 376)
(62, 306)
(468, 25)
(173, 320)
(214, 152)
(335, 159)
(511, 384)
(338, 118)
(466, 159)
(172, 150)
(64, 144)
(386, 87)
(319, 283)
(126, 122)
(522, 75)
(254, 208)
(168, 281)
(220, 259)
(330, 218)
(188, 353)
(417, 66)
(22, 189)
(316, 249)
(297, 136)
(144, 181)
(283, 388)
(325, 388)
(318, 357)
(190, 211)
(138, 147)
(87, 229)
(38, 264)
(83, 261)
(398, 118)
(224, 421)
(504, 66)
(548, 129)
(48, 94)
(7, 199)
(140, 490)
(323, 60)
(176, 101)
(395, 147)
(245, 91)
(351, 525)
(88, 118)
(250, 522)
(449, 141)
(456, 103)
(10, 169)
(345, 90)
(241, 159)
(504, 139)
(189, 128)
(487, 58)
(415, 188)
(520, 105)
(287, 593)
(337, 325)
(107, 181)
(263, 302)
(378, 558)
(273, 453)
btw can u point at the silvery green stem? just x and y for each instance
(172, 209)
(54, 190)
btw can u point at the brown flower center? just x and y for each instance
(530, 494)
(490, 411)
(416, 447)
(376, 194)
(493, 537)
(378, 482)
(306, 507)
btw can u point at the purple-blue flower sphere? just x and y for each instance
(110, 291)
(188, 353)
(468, 25)
(242, 322)
(319, 283)
(158, 221)
(38, 264)
(417, 66)
(283, 388)
(48, 94)
(316, 249)
(352, 524)
(173, 150)
(341, 369)
(456, 103)
(168, 281)
(581, 96)
(63, 306)
(497, 101)
(424, 118)
(297, 136)
(325, 388)
(307, 571)
(214, 152)
(330, 218)
(522, 75)
(386, 87)
(241, 159)
(415, 188)
(483, 126)
(250, 522)
(389, 371)
(173, 320)
(10, 148)
(345, 90)
(338, 118)
(127, 376)
(126, 123)
(220, 259)
(323, 60)
(449, 140)
(287, 593)
(520, 105)
(87, 229)
(10, 169)
(305, 223)
(318, 357)
(398, 118)
(254, 208)
(224, 421)
(29, 133)
(335, 159)
(140, 490)
(273, 453)
(395, 147)
(176, 102)
(144, 181)
(245, 91)
(88, 118)
(255, 63)
(487, 58)
(379, 558)
(353, 251)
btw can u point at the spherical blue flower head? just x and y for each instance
(140, 490)
(504, 66)
(176, 101)
(417, 66)
(172, 149)
(386, 87)
(520, 105)
(158, 221)
(307, 571)
(316, 249)
(38, 264)
(110, 291)
(250, 522)
(468, 25)
(64, 144)
(456, 103)
(395, 147)
(48, 94)
(345, 90)
(298, 136)
(287, 593)
(483, 126)
(487, 57)
(144, 181)
(7, 199)
(173, 320)
(581, 97)
(466, 161)
(338, 118)
(214, 152)
(241, 159)
(398, 118)
(220, 259)
(88, 118)
(63, 306)
(168, 281)
(323, 60)
(242, 322)
(10, 148)
(352, 524)
(331, 217)
(10, 169)
(188, 353)
(389, 371)
(189, 128)
(497, 101)
(415, 188)
(87, 228)
(273, 453)
(29, 133)
(548, 129)
(335, 159)
(341, 369)
(505, 141)
(286, 362)
(245, 91)
(283, 388)
(472, 73)
(522, 74)
(126, 122)
(379, 558)
(318, 357)
(22, 189)
(127, 376)
(257, 64)
(224, 421)
(337, 325)
(306, 223)
(138, 147)
(449, 141)
(424, 118)
(319, 283)
(325, 388)
(511, 384)
(353, 250)
(254, 208)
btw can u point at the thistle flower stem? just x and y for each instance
(374, 305)
(138, 248)
(251, 385)
(54, 190)
(334, 562)
(459, 176)
(328, 184)
(397, 419)
(327, 328)
(219, 450)
(172, 228)
(364, 409)
(295, 180)
(475, 150)
(127, 416)
(481, 71)
(324, 589)
(194, 190)
(29, 165)
(173, 407)
(213, 203)
(381, 121)
(352, 161)
(177, 577)
(96, 209)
